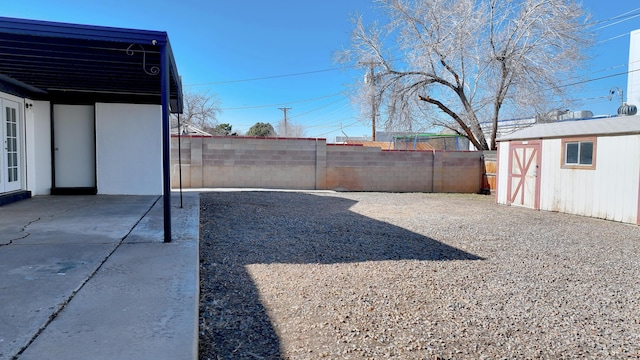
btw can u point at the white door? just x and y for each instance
(10, 152)
(523, 187)
(74, 146)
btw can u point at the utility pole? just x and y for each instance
(284, 110)
(370, 79)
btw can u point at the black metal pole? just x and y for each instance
(166, 150)
(180, 158)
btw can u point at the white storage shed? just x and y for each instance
(587, 167)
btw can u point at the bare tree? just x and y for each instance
(201, 110)
(463, 63)
(290, 129)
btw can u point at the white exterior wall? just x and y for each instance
(129, 149)
(38, 147)
(502, 173)
(633, 80)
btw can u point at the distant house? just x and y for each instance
(85, 109)
(188, 130)
(344, 139)
(588, 167)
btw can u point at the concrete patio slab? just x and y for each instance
(89, 277)
(35, 282)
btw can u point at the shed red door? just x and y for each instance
(523, 187)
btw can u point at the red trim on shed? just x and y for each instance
(529, 158)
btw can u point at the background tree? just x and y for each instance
(461, 63)
(261, 129)
(201, 110)
(222, 129)
(291, 129)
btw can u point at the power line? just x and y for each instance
(328, 117)
(340, 93)
(617, 22)
(618, 19)
(332, 124)
(596, 79)
(629, 17)
(337, 128)
(273, 76)
(624, 17)
(316, 109)
(595, 72)
(280, 104)
(612, 38)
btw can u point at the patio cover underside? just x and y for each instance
(81, 63)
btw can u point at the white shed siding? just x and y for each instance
(564, 190)
(617, 175)
(608, 192)
(550, 182)
(129, 149)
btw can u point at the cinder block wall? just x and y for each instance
(312, 164)
(372, 169)
(233, 161)
(457, 172)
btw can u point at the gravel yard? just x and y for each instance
(297, 275)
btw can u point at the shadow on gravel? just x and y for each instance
(243, 228)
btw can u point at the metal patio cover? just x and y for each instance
(63, 62)
(49, 60)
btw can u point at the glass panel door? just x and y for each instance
(11, 160)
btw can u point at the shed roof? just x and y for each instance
(45, 60)
(594, 127)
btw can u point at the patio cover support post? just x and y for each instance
(180, 158)
(166, 152)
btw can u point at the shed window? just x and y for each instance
(579, 153)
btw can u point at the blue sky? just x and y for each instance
(244, 51)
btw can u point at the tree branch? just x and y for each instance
(469, 134)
